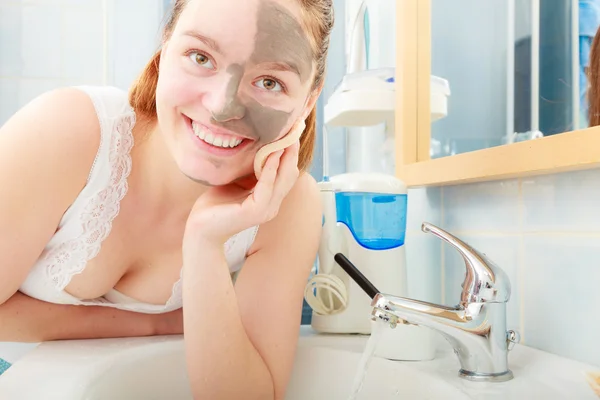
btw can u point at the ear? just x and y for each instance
(311, 101)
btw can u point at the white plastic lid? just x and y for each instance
(381, 79)
(439, 85)
(368, 182)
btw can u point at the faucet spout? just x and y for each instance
(484, 280)
(475, 327)
(477, 333)
(418, 312)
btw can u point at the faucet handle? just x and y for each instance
(484, 280)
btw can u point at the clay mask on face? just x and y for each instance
(279, 38)
(284, 142)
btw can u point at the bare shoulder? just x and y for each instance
(304, 195)
(302, 205)
(299, 216)
(58, 132)
(46, 152)
(67, 112)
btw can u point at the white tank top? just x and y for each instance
(88, 221)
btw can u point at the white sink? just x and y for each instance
(154, 369)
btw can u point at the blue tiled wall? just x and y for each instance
(543, 231)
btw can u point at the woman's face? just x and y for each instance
(234, 76)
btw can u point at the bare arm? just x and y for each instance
(248, 334)
(24, 319)
(46, 153)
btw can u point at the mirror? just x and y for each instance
(515, 70)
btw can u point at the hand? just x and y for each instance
(223, 211)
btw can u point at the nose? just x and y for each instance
(227, 104)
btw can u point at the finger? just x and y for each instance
(263, 190)
(288, 168)
(287, 176)
(294, 149)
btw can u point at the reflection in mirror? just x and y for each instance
(516, 70)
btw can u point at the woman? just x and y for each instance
(106, 196)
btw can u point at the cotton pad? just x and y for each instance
(284, 142)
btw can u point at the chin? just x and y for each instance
(204, 163)
(207, 173)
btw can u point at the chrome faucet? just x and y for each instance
(476, 327)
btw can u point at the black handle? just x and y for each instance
(355, 274)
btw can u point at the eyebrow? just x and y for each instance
(206, 40)
(281, 66)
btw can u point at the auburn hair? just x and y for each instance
(318, 21)
(593, 75)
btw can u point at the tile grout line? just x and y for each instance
(105, 42)
(521, 263)
(31, 78)
(519, 233)
(21, 3)
(61, 60)
(442, 256)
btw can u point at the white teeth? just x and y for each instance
(199, 132)
(217, 141)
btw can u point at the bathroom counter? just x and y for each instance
(325, 367)
(537, 374)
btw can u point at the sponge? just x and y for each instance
(284, 142)
(594, 381)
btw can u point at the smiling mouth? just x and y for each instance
(214, 139)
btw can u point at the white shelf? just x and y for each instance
(360, 108)
(357, 107)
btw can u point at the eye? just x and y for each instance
(270, 84)
(201, 59)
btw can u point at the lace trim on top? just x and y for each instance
(71, 257)
(177, 291)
